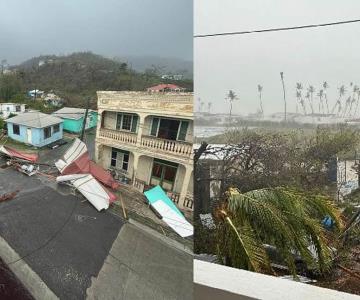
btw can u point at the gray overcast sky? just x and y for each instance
(108, 27)
(241, 62)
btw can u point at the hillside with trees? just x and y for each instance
(76, 77)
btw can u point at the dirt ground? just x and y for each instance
(342, 280)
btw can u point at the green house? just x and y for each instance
(74, 117)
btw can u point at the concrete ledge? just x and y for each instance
(32, 282)
(212, 281)
(163, 238)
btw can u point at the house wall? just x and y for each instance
(73, 125)
(144, 168)
(109, 119)
(76, 125)
(37, 135)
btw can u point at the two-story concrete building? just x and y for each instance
(148, 137)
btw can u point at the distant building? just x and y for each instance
(74, 118)
(166, 88)
(35, 93)
(173, 77)
(52, 99)
(6, 109)
(35, 128)
(148, 138)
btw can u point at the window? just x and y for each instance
(47, 132)
(154, 126)
(56, 128)
(16, 129)
(164, 171)
(183, 130)
(126, 122)
(120, 159)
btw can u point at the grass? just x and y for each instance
(19, 145)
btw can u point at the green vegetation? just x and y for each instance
(75, 78)
(274, 188)
(285, 218)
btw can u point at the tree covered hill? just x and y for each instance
(76, 77)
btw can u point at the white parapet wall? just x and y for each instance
(213, 281)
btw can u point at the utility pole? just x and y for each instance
(85, 117)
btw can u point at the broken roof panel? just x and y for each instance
(170, 214)
(91, 189)
(76, 160)
(13, 153)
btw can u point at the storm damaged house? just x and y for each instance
(148, 138)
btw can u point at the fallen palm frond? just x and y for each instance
(286, 218)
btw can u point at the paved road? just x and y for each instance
(140, 266)
(64, 240)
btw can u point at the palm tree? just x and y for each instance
(321, 104)
(338, 102)
(283, 86)
(231, 96)
(326, 86)
(202, 105)
(260, 88)
(299, 97)
(357, 102)
(209, 106)
(311, 91)
(353, 99)
(283, 217)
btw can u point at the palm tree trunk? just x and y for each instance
(327, 105)
(357, 104)
(283, 86)
(261, 106)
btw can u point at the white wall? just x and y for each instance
(213, 282)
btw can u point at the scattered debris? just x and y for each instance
(13, 153)
(207, 221)
(299, 278)
(56, 144)
(77, 160)
(28, 169)
(91, 189)
(168, 211)
(8, 196)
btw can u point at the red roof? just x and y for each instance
(162, 87)
(83, 165)
(21, 155)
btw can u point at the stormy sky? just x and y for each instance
(241, 62)
(109, 27)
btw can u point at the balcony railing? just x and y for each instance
(169, 146)
(121, 136)
(178, 148)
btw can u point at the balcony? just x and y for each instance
(168, 146)
(120, 136)
(150, 143)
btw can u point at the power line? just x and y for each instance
(276, 29)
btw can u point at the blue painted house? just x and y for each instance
(35, 128)
(74, 118)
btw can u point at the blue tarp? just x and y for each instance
(158, 194)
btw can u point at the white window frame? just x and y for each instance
(122, 121)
